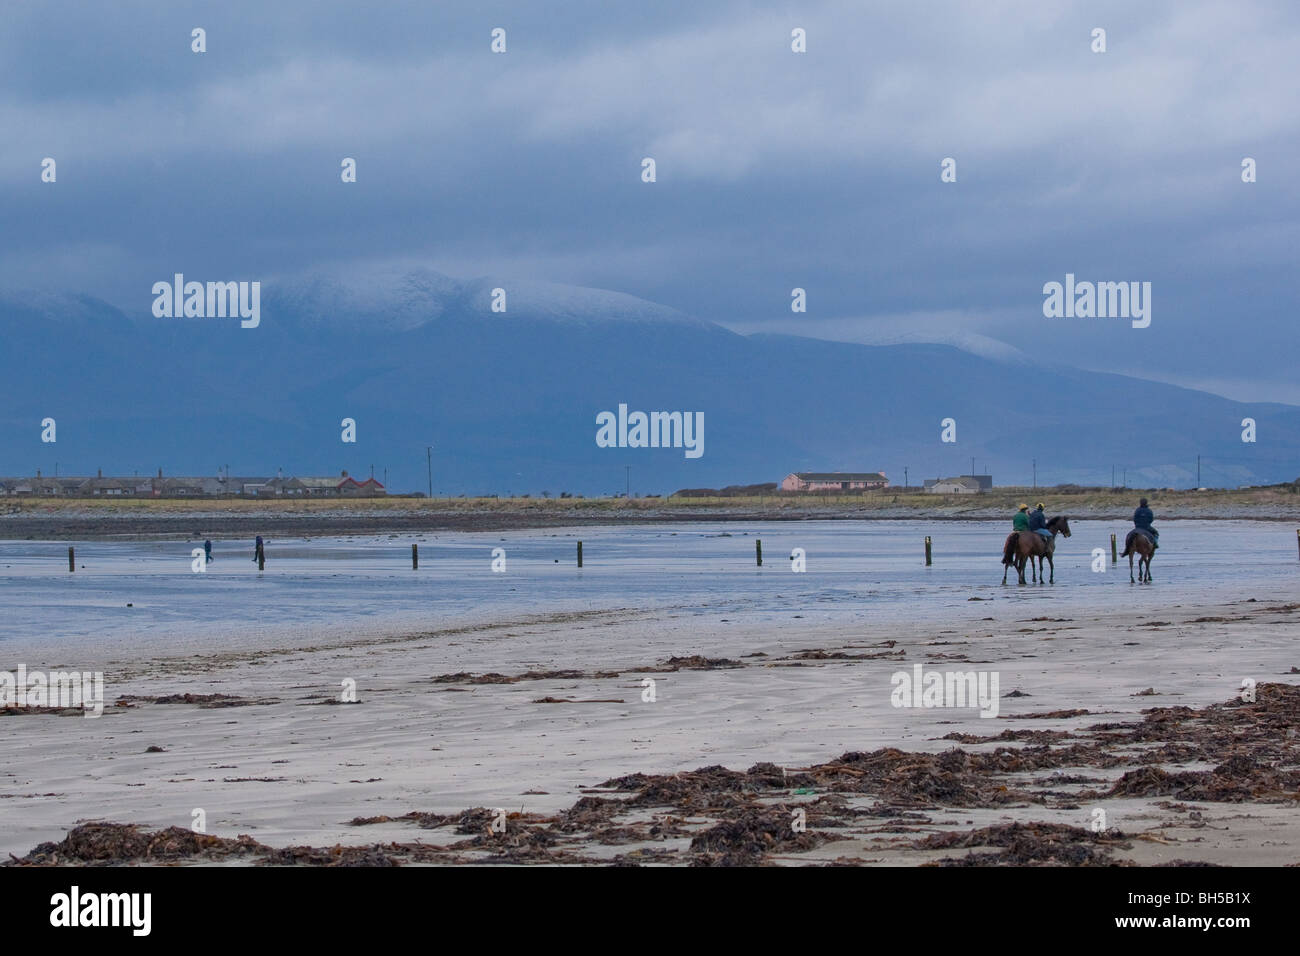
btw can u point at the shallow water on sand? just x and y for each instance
(872, 571)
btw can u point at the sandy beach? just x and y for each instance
(533, 738)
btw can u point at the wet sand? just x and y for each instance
(530, 741)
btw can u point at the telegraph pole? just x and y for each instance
(428, 453)
(905, 485)
(1198, 471)
(1035, 474)
(627, 491)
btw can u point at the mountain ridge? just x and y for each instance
(509, 400)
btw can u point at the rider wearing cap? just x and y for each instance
(1021, 521)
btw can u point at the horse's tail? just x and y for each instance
(1009, 551)
(1128, 545)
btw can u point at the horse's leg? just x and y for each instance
(1130, 568)
(1051, 563)
(1020, 567)
(1149, 557)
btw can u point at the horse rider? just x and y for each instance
(1021, 521)
(1038, 521)
(1142, 519)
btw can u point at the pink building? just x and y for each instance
(834, 481)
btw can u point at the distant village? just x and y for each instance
(222, 486)
(345, 486)
(842, 481)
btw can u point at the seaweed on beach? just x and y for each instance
(1238, 780)
(110, 844)
(202, 700)
(425, 820)
(1009, 736)
(1250, 744)
(101, 843)
(13, 710)
(465, 677)
(818, 654)
(745, 838)
(1028, 844)
(715, 815)
(693, 662)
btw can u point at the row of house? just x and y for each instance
(873, 481)
(344, 486)
(834, 481)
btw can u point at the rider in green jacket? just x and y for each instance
(1021, 521)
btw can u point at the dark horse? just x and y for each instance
(1024, 546)
(1139, 544)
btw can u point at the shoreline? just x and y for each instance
(122, 523)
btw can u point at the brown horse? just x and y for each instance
(1139, 544)
(1025, 546)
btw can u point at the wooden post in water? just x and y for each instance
(758, 551)
(927, 550)
(1114, 556)
(415, 557)
(1297, 538)
(579, 554)
(261, 559)
(72, 558)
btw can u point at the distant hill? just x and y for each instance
(509, 401)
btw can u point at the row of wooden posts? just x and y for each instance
(758, 554)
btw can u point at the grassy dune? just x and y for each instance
(1274, 501)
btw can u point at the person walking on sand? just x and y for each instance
(207, 551)
(259, 554)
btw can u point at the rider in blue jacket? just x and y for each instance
(1038, 521)
(1142, 519)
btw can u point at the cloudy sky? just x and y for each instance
(775, 169)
